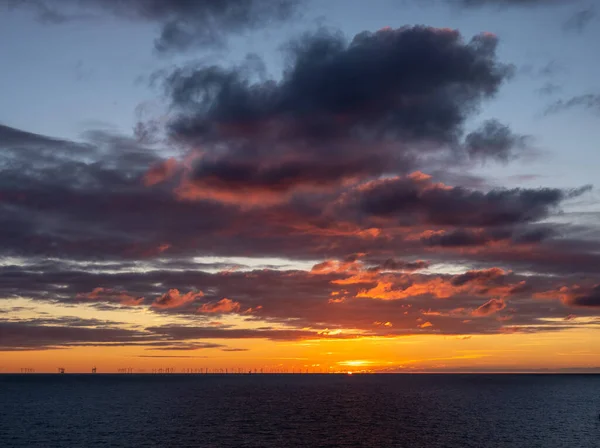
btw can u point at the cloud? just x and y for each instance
(489, 308)
(80, 206)
(341, 112)
(588, 101)
(300, 302)
(184, 24)
(61, 333)
(487, 275)
(575, 295)
(26, 336)
(367, 72)
(580, 20)
(399, 265)
(109, 295)
(355, 157)
(223, 306)
(493, 236)
(418, 200)
(490, 282)
(459, 238)
(494, 141)
(590, 299)
(179, 332)
(229, 180)
(174, 299)
(187, 346)
(160, 172)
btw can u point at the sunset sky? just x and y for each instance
(301, 185)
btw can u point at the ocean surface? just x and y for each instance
(283, 411)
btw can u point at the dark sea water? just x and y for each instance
(282, 411)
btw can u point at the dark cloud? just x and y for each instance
(23, 336)
(457, 238)
(580, 20)
(399, 265)
(592, 301)
(237, 175)
(494, 141)
(186, 346)
(588, 101)
(466, 238)
(589, 299)
(59, 333)
(415, 200)
(72, 207)
(403, 81)
(180, 332)
(184, 24)
(69, 321)
(16, 141)
(395, 92)
(474, 276)
(573, 295)
(330, 164)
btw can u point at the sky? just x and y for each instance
(300, 185)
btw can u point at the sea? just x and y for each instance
(375, 410)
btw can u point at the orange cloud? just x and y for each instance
(174, 299)
(483, 283)
(337, 229)
(223, 306)
(383, 291)
(565, 294)
(252, 310)
(437, 287)
(189, 191)
(362, 274)
(361, 277)
(383, 324)
(452, 313)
